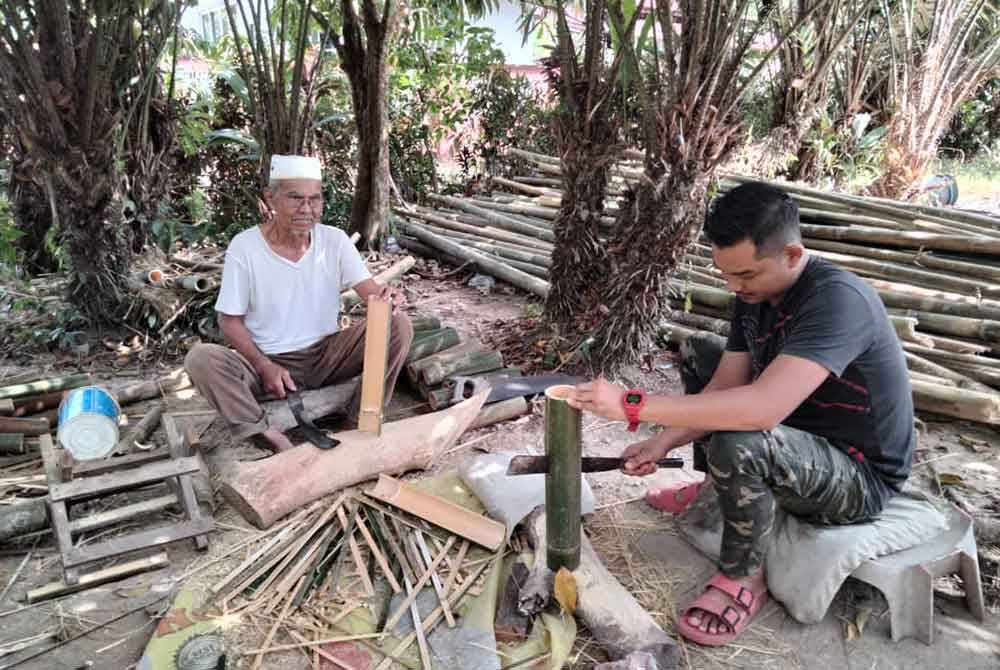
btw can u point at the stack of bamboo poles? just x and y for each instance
(936, 269)
(29, 409)
(438, 355)
(308, 573)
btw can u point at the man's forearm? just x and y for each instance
(239, 338)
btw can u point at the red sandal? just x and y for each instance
(737, 616)
(675, 497)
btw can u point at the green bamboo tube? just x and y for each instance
(470, 363)
(44, 386)
(563, 430)
(415, 369)
(433, 342)
(423, 323)
(11, 444)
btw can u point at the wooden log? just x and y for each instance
(30, 427)
(23, 517)
(12, 444)
(611, 613)
(266, 490)
(316, 404)
(350, 298)
(958, 403)
(44, 386)
(175, 381)
(431, 343)
(489, 266)
(37, 403)
(444, 513)
(498, 220)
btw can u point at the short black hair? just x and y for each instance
(761, 213)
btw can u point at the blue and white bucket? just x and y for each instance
(88, 423)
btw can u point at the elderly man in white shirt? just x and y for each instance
(279, 309)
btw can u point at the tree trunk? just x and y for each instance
(364, 56)
(33, 216)
(658, 222)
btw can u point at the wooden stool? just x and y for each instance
(906, 578)
(70, 481)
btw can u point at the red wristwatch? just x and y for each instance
(633, 401)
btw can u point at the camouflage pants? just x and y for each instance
(754, 472)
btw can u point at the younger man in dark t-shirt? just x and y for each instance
(807, 406)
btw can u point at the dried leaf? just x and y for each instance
(950, 479)
(565, 589)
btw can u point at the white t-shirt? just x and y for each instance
(289, 306)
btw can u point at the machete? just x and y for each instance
(535, 465)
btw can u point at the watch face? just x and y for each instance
(633, 398)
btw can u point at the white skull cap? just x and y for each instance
(295, 167)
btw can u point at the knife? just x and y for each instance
(534, 465)
(309, 429)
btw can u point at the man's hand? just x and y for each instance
(394, 296)
(599, 397)
(640, 457)
(275, 379)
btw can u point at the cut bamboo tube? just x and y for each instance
(29, 427)
(12, 444)
(44, 386)
(376, 360)
(431, 343)
(6, 407)
(424, 323)
(470, 363)
(114, 573)
(563, 431)
(500, 411)
(474, 527)
(196, 283)
(414, 369)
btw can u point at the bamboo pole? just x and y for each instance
(29, 427)
(563, 430)
(920, 364)
(958, 403)
(479, 231)
(44, 386)
(351, 298)
(499, 220)
(892, 271)
(906, 239)
(980, 329)
(919, 258)
(432, 343)
(498, 269)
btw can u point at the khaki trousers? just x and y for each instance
(231, 385)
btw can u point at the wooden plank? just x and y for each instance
(124, 513)
(182, 486)
(58, 516)
(154, 537)
(117, 481)
(114, 573)
(117, 463)
(378, 325)
(455, 518)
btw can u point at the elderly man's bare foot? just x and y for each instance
(273, 440)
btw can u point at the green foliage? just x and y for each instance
(849, 153)
(975, 129)
(9, 234)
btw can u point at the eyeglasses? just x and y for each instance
(296, 201)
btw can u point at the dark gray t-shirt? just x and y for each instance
(833, 318)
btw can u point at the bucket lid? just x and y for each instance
(89, 436)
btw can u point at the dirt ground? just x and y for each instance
(951, 455)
